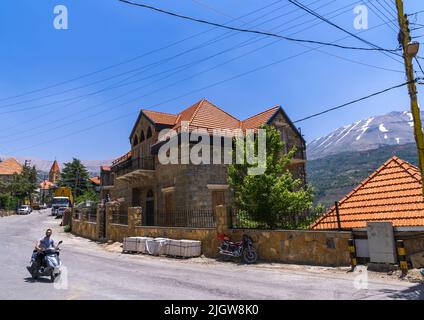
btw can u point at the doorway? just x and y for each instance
(150, 208)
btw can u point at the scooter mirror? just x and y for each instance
(60, 242)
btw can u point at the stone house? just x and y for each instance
(8, 168)
(139, 179)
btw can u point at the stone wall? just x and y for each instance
(325, 248)
(6, 213)
(299, 246)
(85, 229)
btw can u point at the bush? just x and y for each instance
(8, 202)
(67, 228)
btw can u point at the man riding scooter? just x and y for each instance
(44, 243)
(45, 249)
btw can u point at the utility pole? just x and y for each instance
(410, 49)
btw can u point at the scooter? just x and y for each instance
(243, 249)
(50, 264)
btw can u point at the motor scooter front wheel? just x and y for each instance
(250, 255)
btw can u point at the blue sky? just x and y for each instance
(101, 33)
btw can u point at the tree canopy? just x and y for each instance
(269, 198)
(75, 176)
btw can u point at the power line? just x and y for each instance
(190, 77)
(376, 47)
(142, 68)
(394, 15)
(132, 59)
(178, 69)
(255, 31)
(73, 99)
(354, 101)
(148, 66)
(382, 19)
(178, 97)
(419, 65)
(391, 5)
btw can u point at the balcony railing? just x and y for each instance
(129, 165)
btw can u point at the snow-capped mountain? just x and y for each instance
(393, 128)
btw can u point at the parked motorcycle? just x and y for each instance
(243, 249)
(48, 265)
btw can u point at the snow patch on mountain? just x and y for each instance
(365, 127)
(371, 133)
(382, 128)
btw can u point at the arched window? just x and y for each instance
(149, 133)
(142, 136)
(135, 141)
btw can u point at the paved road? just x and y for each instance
(95, 273)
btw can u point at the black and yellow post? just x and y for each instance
(403, 264)
(352, 252)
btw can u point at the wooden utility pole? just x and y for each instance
(408, 54)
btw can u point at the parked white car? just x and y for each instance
(24, 209)
(61, 211)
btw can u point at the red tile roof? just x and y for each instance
(392, 193)
(259, 119)
(46, 184)
(204, 114)
(10, 166)
(105, 168)
(160, 117)
(95, 180)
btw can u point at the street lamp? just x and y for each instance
(412, 49)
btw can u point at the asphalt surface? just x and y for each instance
(95, 273)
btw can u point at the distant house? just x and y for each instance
(139, 179)
(393, 193)
(8, 168)
(95, 183)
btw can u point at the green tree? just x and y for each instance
(75, 176)
(88, 195)
(269, 199)
(24, 184)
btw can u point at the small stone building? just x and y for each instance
(139, 179)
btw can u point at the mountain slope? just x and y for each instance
(394, 128)
(336, 175)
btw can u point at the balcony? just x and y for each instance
(134, 168)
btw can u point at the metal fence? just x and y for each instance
(89, 211)
(92, 214)
(286, 220)
(120, 216)
(190, 218)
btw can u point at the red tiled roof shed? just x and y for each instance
(392, 193)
